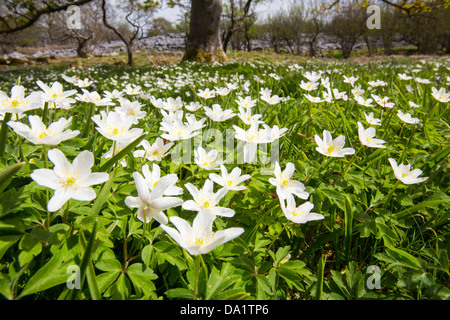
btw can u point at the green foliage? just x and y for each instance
(402, 231)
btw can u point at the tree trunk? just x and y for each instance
(204, 43)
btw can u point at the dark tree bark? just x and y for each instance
(23, 20)
(204, 43)
(128, 42)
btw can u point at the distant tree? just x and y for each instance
(347, 25)
(136, 16)
(159, 26)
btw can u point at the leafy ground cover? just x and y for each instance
(96, 202)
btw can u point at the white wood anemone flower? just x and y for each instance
(56, 96)
(366, 136)
(154, 177)
(199, 238)
(206, 199)
(330, 147)
(440, 95)
(230, 180)
(286, 185)
(153, 152)
(69, 180)
(252, 137)
(38, 133)
(116, 126)
(18, 102)
(217, 114)
(151, 203)
(407, 118)
(207, 161)
(300, 214)
(405, 174)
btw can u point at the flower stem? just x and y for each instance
(270, 245)
(4, 134)
(44, 151)
(197, 269)
(344, 172)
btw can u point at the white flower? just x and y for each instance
(413, 105)
(93, 97)
(70, 79)
(366, 136)
(177, 130)
(273, 133)
(300, 214)
(246, 115)
(312, 76)
(371, 120)
(39, 134)
(131, 109)
(207, 200)
(309, 86)
(18, 102)
(223, 91)
(350, 80)
(154, 152)
(313, 99)
(330, 147)
(199, 238)
(115, 94)
(172, 104)
(404, 76)
(361, 101)
(406, 117)
(193, 106)
(271, 99)
(285, 184)
(132, 89)
(207, 161)
(357, 91)
(246, 102)
(440, 95)
(252, 137)
(405, 174)
(154, 177)
(83, 83)
(383, 101)
(116, 127)
(56, 96)
(151, 204)
(217, 114)
(230, 180)
(69, 180)
(206, 94)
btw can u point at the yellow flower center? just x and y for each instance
(230, 182)
(15, 103)
(55, 95)
(70, 181)
(330, 149)
(404, 174)
(116, 131)
(42, 135)
(285, 183)
(206, 204)
(199, 241)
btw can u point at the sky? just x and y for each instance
(262, 10)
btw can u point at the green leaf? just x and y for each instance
(141, 276)
(179, 293)
(6, 175)
(6, 242)
(50, 275)
(219, 281)
(233, 294)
